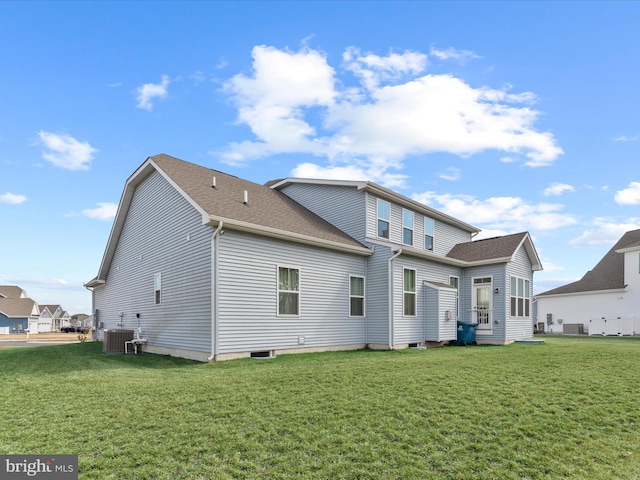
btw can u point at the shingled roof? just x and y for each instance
(12, 291)
(267, 211)
(265, 207)
(495, 249)
(608, 274)
(17, 307)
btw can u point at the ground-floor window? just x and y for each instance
(409, 289)
(356, 296)
(519, 297)
(288, 291)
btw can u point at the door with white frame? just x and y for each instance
(481, 307)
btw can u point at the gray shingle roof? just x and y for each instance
(11, 291)
(16, 307)
(266, 207)
(608, 274)
(488, 248)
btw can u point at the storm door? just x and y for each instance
(481, 306)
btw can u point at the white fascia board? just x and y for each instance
(439, 287)
(589, 292)
(317, 181)
(238, 225)
(629, 249)
(428, 255)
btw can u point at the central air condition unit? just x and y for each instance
(114, 340)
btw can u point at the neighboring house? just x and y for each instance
(12, 291)
(16, 314)
(605, 301)
(211, 266)
(52, 318)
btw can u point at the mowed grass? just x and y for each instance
(569, 408)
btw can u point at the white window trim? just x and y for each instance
(363, 296)
(413, 233)
(524, 298)
(415, 293)
(157, 276)
(378, 217)
(457, 294)
(299, 291)
(432, 235)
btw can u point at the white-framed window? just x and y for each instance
(429, 227)
(407, 227)
(288, 291)
(409, 292)
(519, 294)
(455, 283)
(356, 296)
(384, 217)
(157, 289)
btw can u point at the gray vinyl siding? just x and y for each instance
(248, 299)
(437, 302)
(445, 235)
(519, 327)
(377, 299)
(414, 329)
(154, 240)
(342, 206)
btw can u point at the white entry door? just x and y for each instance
(481, 302)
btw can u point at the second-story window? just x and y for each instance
(407, 227)
(384, 216)
(428, 233)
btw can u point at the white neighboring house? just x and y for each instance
(606, 301)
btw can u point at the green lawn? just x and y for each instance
(569, 408)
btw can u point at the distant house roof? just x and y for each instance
(52, 308)
(608, 274)
(12, 291)
(495, 249)
(267, 211)
(17, 307)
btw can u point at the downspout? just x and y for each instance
(214, 292)
(390, 273)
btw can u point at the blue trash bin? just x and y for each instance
(466, 333)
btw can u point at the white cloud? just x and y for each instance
(66, 152)
(104, 211)
(12, 198)
(452, 174)
(605, 232)
(499, 215)
(625, 138)
(397, 114)
(461, 56)
(349, 172)
(373, 69)
(556, 189)
(149, 91)
(629, 196)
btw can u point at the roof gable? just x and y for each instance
(501, 248)
(608, 274)
(12, 291)
(18, 307)
(266, 212)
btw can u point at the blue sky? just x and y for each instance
(511, 116)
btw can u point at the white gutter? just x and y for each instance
(390, 273)
(214, 292)
(283, 235)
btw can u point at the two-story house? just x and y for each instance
(211, 266)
